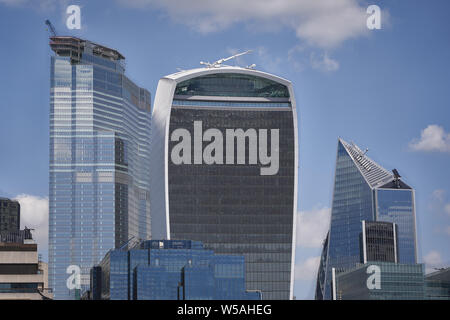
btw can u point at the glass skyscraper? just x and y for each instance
(229, 202)
(364, 191)
(99, 150)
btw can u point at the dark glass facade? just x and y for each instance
(9, 215)
(232, 85)
(379, 242)
(172, 270)
(232, 208)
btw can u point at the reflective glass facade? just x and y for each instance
(232, 85)
(99, 145)
(397, 205)
(437, 285)
(172, 270)
(352, 203)
(397, 282)
(363, 191)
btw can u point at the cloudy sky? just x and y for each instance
(386, 90)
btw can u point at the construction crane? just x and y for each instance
(218, 63)
(51, 28)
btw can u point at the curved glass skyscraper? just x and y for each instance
(224, 157)
(99, 150)
(364, 191)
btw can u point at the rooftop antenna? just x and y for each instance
(51, 28)
(218, 63)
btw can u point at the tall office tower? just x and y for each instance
(363, 190)
(9, 215)
(99, 151)
(212, 131)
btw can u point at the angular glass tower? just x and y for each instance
(364, 191)
(99, 150)
(231, 207)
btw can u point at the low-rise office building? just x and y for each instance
(437, 284)
(22, 275)
(379, 281)
(169, 270)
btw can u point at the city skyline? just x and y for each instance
(385, 88)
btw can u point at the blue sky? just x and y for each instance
(386, 90)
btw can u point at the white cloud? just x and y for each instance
(270, 62)
(438, 194)
(293, 57)
(323, 62)
(432, 138)
(308, 269)
(432, 260)
(312, 227)
(447, 208)
(447, 230)
(325, 23)
(34, 215)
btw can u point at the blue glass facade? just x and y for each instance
(172, 270)
(397, 205)
(99, 143)
(363, 191)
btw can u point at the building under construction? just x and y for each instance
(99, 146)
(73, 47)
